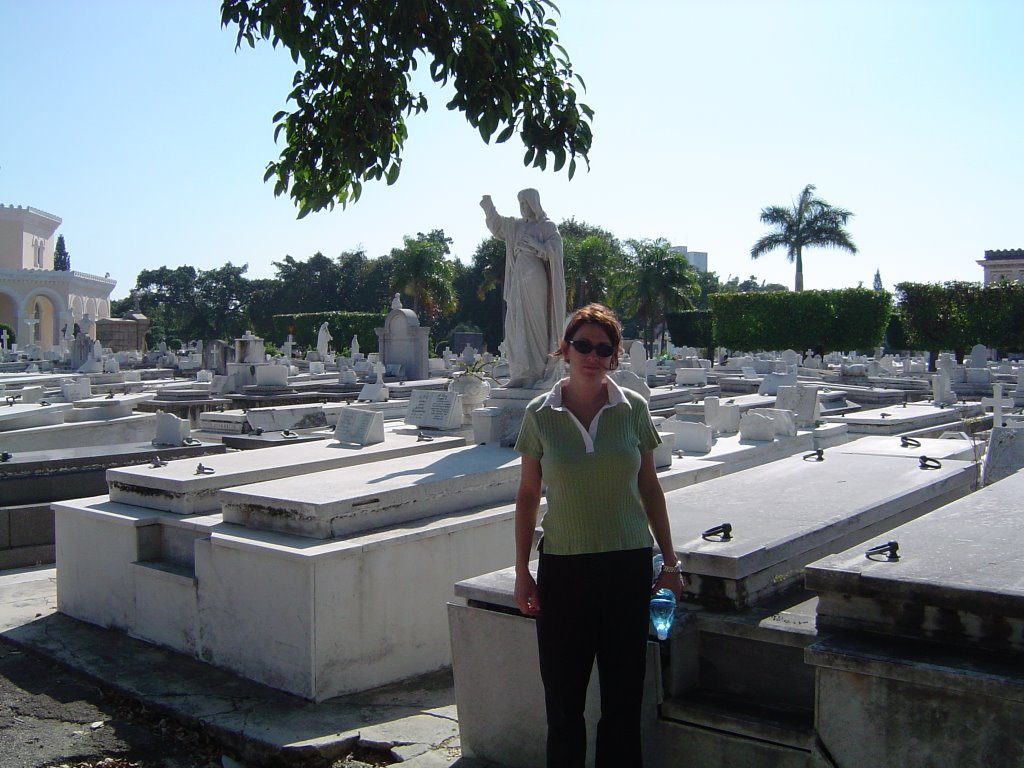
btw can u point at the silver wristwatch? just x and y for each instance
(677, 568)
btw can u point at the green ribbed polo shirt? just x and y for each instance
(591, 477)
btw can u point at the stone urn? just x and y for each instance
(473, 389)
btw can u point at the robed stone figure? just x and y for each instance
(534, 290)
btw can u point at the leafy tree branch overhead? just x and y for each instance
(351, 93)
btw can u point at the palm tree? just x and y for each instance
(592, 254)
(420, 270)
(655, 281)
(810, 222)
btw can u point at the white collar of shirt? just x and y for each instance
(554, 402)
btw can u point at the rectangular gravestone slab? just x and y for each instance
(360, 427)
(280, 418)
(788, 513)
(178, 488)
(28, 415)
(434, 409)
(345, 502)
(914, 448)
(104, 408)
(957, 580)
(896, 419)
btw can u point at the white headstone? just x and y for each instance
(637, 355)
(374, 392)
(691, 377)
(723, 418)
(434, 409)
(1004, 455)
(630, 380)
(690, 435)
(170, 430)
(772, 381)
(359, 426)
(942, 391)
(978, 357)
(755, 425)
(997, 403)
(802, 401)
(271, 375)
(785, 422)
(75, 389)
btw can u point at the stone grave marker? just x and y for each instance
(691, 377)
(755, 425)
(978, 357)
(997, 403)
(434, 409)
(1005, 454)
(359, 426)
(772, 381)
(942, 390)
(690, 435)
(170, 430)
(802, 401)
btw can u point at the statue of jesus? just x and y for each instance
(534, 290)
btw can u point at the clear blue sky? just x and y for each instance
(141, 127)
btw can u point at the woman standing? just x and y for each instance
(592, 444)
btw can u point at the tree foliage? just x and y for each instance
(654, 280)
(693, 327)
(61, 257)
(810, 222)
(591, 256)
(352, 90)
(304, 326)
(420, 270)
(956, 315)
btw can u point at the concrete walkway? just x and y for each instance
(414, 722)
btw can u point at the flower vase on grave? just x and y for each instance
(473, 390)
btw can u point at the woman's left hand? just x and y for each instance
(674, 582)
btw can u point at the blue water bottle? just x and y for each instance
(663, 604)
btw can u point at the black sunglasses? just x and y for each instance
(584, 347)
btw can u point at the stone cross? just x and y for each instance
(3, 339)
(942, 392)
(997, 402)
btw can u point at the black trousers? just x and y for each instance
(594, 606)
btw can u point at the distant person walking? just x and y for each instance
(591, 442)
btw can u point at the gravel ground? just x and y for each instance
(52, 717)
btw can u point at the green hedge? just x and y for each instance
(693, 328)
(824, 321)
(956, 315)
(342, 325)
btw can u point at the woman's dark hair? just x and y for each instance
(601, 316)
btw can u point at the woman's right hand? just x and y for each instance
(527, 598)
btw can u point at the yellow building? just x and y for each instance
(36, 301)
